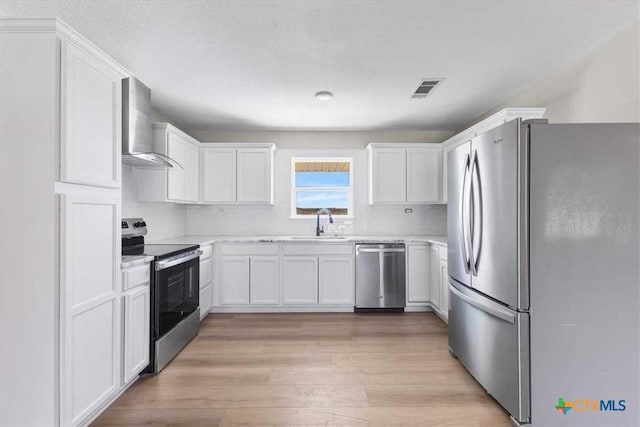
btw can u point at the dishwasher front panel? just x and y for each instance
(380, 276)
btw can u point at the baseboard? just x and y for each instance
(284, 309)
(418, 308)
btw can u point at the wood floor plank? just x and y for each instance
(308, 369)
(375, 375)
(251, 360)
(251, 396)
(366, 416)
(428, 358)
(161, 417)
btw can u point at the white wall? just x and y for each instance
(164, 220)
(600, 86)
(270, 220)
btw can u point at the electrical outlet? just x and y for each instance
(408, 210)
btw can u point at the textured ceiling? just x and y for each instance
(256, 64)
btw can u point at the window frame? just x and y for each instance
(293, 210)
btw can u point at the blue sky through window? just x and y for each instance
(318, 189)
(322, 179)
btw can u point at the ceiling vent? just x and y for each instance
(425, 87)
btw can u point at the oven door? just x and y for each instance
(177, 295)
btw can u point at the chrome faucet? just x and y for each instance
(320, 230)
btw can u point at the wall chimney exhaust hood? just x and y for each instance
(137, 140)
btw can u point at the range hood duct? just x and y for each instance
(137, 140)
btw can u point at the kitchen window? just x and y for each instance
(318, 183)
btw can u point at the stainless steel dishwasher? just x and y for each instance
(380, 275)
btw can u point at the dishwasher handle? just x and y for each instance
(381, 250)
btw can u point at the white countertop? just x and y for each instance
(207, 240)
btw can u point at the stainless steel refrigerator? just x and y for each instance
(544, 269)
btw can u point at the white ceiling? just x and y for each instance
(256, 64)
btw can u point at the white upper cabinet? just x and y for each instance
(423, 175)
(497, 119)
(211, 173)
(177, 184)
(237, 173)
(90, 127)
(218, 175)
(177, 150)
(388, 173)
(404, 173)
(192, 172)
(254, 175)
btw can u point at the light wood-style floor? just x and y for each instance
(311, 369)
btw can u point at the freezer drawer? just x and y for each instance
(492, 342)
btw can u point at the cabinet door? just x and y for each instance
(389, 175)
(234, 280)
(218, 175)
(418, 262)
(206, 300)
(254, 175)
(191, 173)
(423, 175)
(300, 280)
(90, 132)
(176, 149)
(90, 305)
(137, 315)
(336, 280)
(264, 280)
(434, 277)
(444, 289)
(206, 272)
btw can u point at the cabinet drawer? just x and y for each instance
(136, 276)
(318, 249)
(249, 249)
(207, 251)
(206, 272)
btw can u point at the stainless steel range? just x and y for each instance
(175, 304)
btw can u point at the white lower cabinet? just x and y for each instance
(263, 280)
(284, 277)
(137, 316)
(428, 278)
(206, 300)
(234, 280)
(336, 280)
(206, 280)
(434, 277)
(300, 280)
(418, 285)
(90, 303)
(444, 284)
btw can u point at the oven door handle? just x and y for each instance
(161, 265)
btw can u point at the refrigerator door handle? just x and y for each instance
(465, 198)
(476, 194)
(475, 301)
